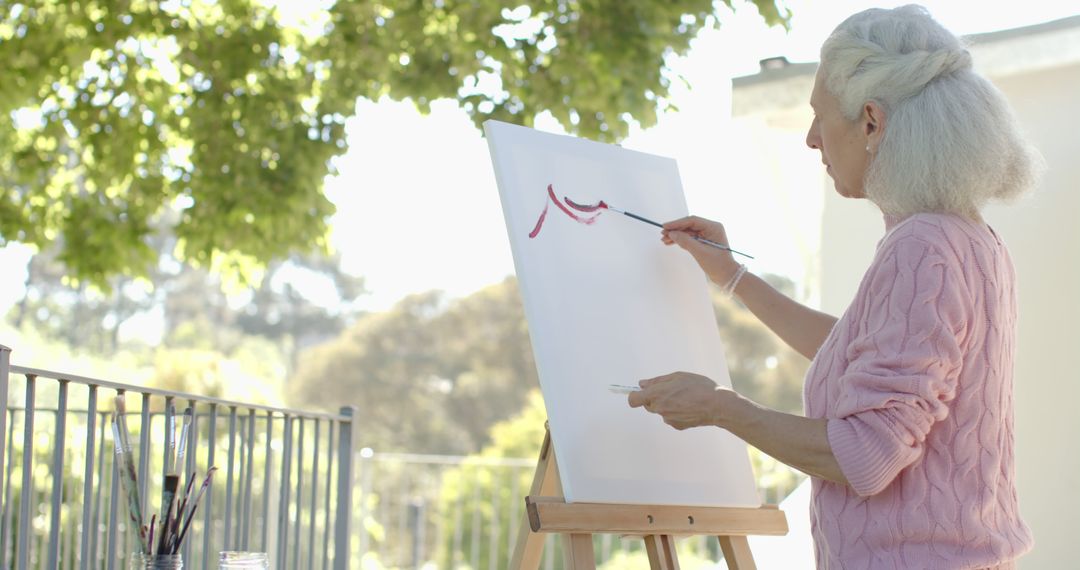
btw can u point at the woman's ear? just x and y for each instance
(873, 124)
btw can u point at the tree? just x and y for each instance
(120, 113)
(483, 347)
(73, 313)
(428, 376)
(193, 305)
(473, 482)
(761, 366)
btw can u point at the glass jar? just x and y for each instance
(230, 560)
(141, 561)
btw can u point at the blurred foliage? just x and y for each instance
(426, 377)
(222, 118)
(638, 559)
(195, 308)
(252, 370)
(761, 366)
(483, 487)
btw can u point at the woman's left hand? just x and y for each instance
(686, 400)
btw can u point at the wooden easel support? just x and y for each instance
(546, 511)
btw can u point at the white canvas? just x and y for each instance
(608, 303)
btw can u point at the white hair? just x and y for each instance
(951, 143)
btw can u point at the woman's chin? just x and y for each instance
(847, 192)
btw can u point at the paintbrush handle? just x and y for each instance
(180, 510)
(194, 507)
(642, 219)
(125, 466)
(722, 246)
(700, 239)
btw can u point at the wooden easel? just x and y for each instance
(546, 511)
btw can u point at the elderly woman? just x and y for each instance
(908, 434)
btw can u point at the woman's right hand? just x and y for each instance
(718, 264)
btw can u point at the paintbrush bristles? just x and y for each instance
(170, 438)
(121, 417)
(181, 452)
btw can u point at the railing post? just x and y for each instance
(23, 542)
(88, 480)
(342, 523)
(229, 469)
(283, 504)
(57, 497)
(5, 362)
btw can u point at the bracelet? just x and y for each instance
(729, 287)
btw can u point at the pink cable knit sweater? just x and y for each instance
(916, 382)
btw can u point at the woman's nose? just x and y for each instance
(813, 139)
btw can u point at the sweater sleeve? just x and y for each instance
(904, 360)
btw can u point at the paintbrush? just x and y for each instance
(661, 226)
(126, 468)
(182, 507)
(172, 480)
(168, 493)
(194, 506)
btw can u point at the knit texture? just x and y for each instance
(916, 382)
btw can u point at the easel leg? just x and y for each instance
(578, 552)
(661, 551)
(530, 545)
(737, 554)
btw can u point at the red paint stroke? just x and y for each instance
(601, 205)
(587, 208)
(539, 223)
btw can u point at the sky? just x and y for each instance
(417, 205)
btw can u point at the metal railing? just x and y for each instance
(282, 485)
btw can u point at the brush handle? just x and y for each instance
(641, 219)
(179, 516)
(722, 246)
(194, 507)
(701, 239)
(129, 482)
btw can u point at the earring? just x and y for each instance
(867, 148)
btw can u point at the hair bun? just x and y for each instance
(949, 61)
(914, 70)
